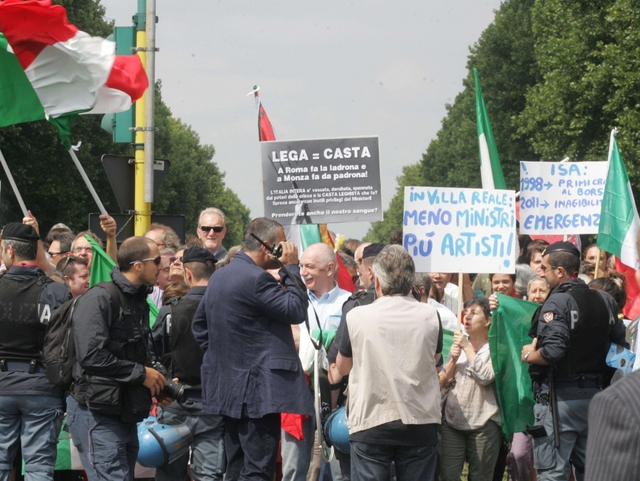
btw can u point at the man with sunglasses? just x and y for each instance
(31, 407)
(76, 272)
(113, 383)
(211, 231)
(575, 327)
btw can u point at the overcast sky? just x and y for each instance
(328, 69)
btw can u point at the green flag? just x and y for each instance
(490, 168)
(447, 340)
(508, 333)
(101, 267)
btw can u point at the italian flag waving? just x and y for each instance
(51, 70)
(619, 224)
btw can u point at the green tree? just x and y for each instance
(381, 231)
(504, 57)
(53, 189)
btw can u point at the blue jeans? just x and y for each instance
(372, 462)
(108, 448)
(35, 422)
(207, 452)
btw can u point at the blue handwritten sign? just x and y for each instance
(460, 230)
(561, 197)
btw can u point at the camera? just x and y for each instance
(172, 389)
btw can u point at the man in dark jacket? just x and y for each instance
(113, 383)
(31, 407)
(251, 372)
(181, 355)
(575, 328)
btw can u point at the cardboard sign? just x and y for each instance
(460, 230)
(561, 197)
(323, 180)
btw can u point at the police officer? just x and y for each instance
(575, 328)
(30, 406)
(182, 356)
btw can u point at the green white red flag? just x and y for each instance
(490, 168)
(619, 224)
(51, 70)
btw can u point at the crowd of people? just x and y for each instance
(243, 338)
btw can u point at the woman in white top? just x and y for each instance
(471, 422)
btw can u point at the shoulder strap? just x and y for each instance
(119, 302)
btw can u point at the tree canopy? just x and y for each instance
(557, 76)
(53, 189)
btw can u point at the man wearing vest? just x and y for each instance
(575, 328)
(113, 381)
(389, 351)
(182, 356)
(31, 407)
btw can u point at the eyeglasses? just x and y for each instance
(87, 249)
(156, 260)
(544, 268)
(355, 279)
(53, 254)
(62, 265)
(173, 259)
(208, 228)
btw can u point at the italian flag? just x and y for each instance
(619, 224)
(490, 168)
(51, 70)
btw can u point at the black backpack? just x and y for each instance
(59, 351)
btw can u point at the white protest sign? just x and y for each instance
(561, 197)
(460, 230)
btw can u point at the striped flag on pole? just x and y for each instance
(619, 224)
(490, 168)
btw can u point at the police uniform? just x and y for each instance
(181, 355)
(575, 328)
(31, 407)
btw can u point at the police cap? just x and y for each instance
(20, 232)
(198, 254)
(562, 247)
(372, 250)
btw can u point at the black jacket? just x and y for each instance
(99, 333)
(21, 383)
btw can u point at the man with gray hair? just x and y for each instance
(389, 350)
(212, 227)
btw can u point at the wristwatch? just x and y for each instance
(526, 357)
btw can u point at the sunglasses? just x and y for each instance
(156, 260)
(173, 259)
(208, 228)
(63, 264)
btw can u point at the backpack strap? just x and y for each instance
(119, 303)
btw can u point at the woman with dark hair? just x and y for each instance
(471, 416)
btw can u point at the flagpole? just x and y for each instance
(460, 297)
(12, 182)
(94, 194)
